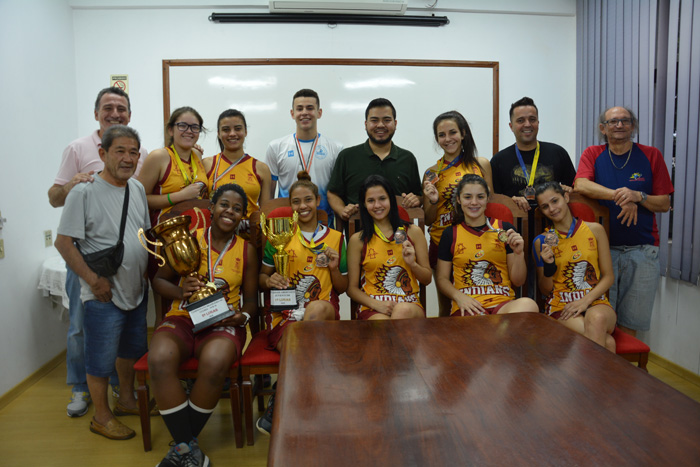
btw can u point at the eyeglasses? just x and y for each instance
(194, 128)
(616, 121)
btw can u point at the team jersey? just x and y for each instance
(174, 181)
(644, 170)
(243, 173)
(228, 275)
(578, 272)
(311, 282)
(479, 263)
(447, 182)
(385, 275)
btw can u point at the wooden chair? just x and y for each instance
(188, 370)
(257, 360)
(414, 216)
(627, 346)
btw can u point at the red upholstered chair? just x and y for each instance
(630, 348)
(188, 370)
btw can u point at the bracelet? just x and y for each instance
(436, 202)
(170, 201)
(247, 318)
(550, 269)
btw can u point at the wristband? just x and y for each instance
(550, 269)
(170, 201)
(436, 202)
(247, 318)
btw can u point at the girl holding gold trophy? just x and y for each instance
(388, 256)
(230, 263)
(317, 271)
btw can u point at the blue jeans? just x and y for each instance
(111, 332)
(75, 344)
(637, 277)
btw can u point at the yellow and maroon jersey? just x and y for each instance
(385, 275)
(447, 182)
(578, 272)
(243, 173)
(479, 264)
(173, 180)
(311, 282)
(228, 275)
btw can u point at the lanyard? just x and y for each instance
(380, 234)
(181, 166)
(306, 165)
(211, 267)
(216, 170)
(454, 162)
(531, 178)
(571, 229)
(311, 245)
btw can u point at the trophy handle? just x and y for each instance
(263, 224)
(157, 244)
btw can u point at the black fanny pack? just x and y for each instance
(105, 263)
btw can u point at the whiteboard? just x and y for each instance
(263, 88)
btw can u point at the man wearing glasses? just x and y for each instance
(81, 160)
(632, 180)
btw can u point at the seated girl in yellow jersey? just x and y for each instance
(317, 270)
(486, 257)
(574, 268)
(387, 258)
(233, 165)
(454, 136)
(231, 264)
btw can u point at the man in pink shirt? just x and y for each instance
(81, 161)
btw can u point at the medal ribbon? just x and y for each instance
(216, 169)
(181, 166)
(210, 267)
(454, 162)
(311, 245)
(304, 164)
(571, 229)
(380, 234)
(531, 178)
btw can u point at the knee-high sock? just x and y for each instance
(198, 418)
(178, 422)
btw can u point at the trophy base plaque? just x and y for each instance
(283, 299)
(208, 311)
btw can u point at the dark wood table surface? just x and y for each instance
(488, 390)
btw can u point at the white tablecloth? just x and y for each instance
(53, 280)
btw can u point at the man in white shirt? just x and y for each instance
(306, 149)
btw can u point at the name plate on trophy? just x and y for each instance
(283, 299)
(208, 311)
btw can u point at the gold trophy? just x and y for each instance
(279, 231)
(182, 253)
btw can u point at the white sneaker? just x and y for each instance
(78, 405)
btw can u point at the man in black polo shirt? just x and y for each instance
(377, 155)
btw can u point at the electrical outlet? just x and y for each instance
(2, 248)
(48, 240)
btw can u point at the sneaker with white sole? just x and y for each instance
(185, 455)
(264, 423)
(78, 405)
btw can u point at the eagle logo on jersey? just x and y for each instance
(481, 273)
(308, 288)
(393, 280)
(580, 276)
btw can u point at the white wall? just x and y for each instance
(56, 54)
(38, 118)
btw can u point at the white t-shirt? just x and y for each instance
(284, 161)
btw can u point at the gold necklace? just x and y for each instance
(623, 165)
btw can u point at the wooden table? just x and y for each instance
(492, 390)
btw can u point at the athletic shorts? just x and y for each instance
(181, 326)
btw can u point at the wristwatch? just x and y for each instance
(247, 318)
(644, 197)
